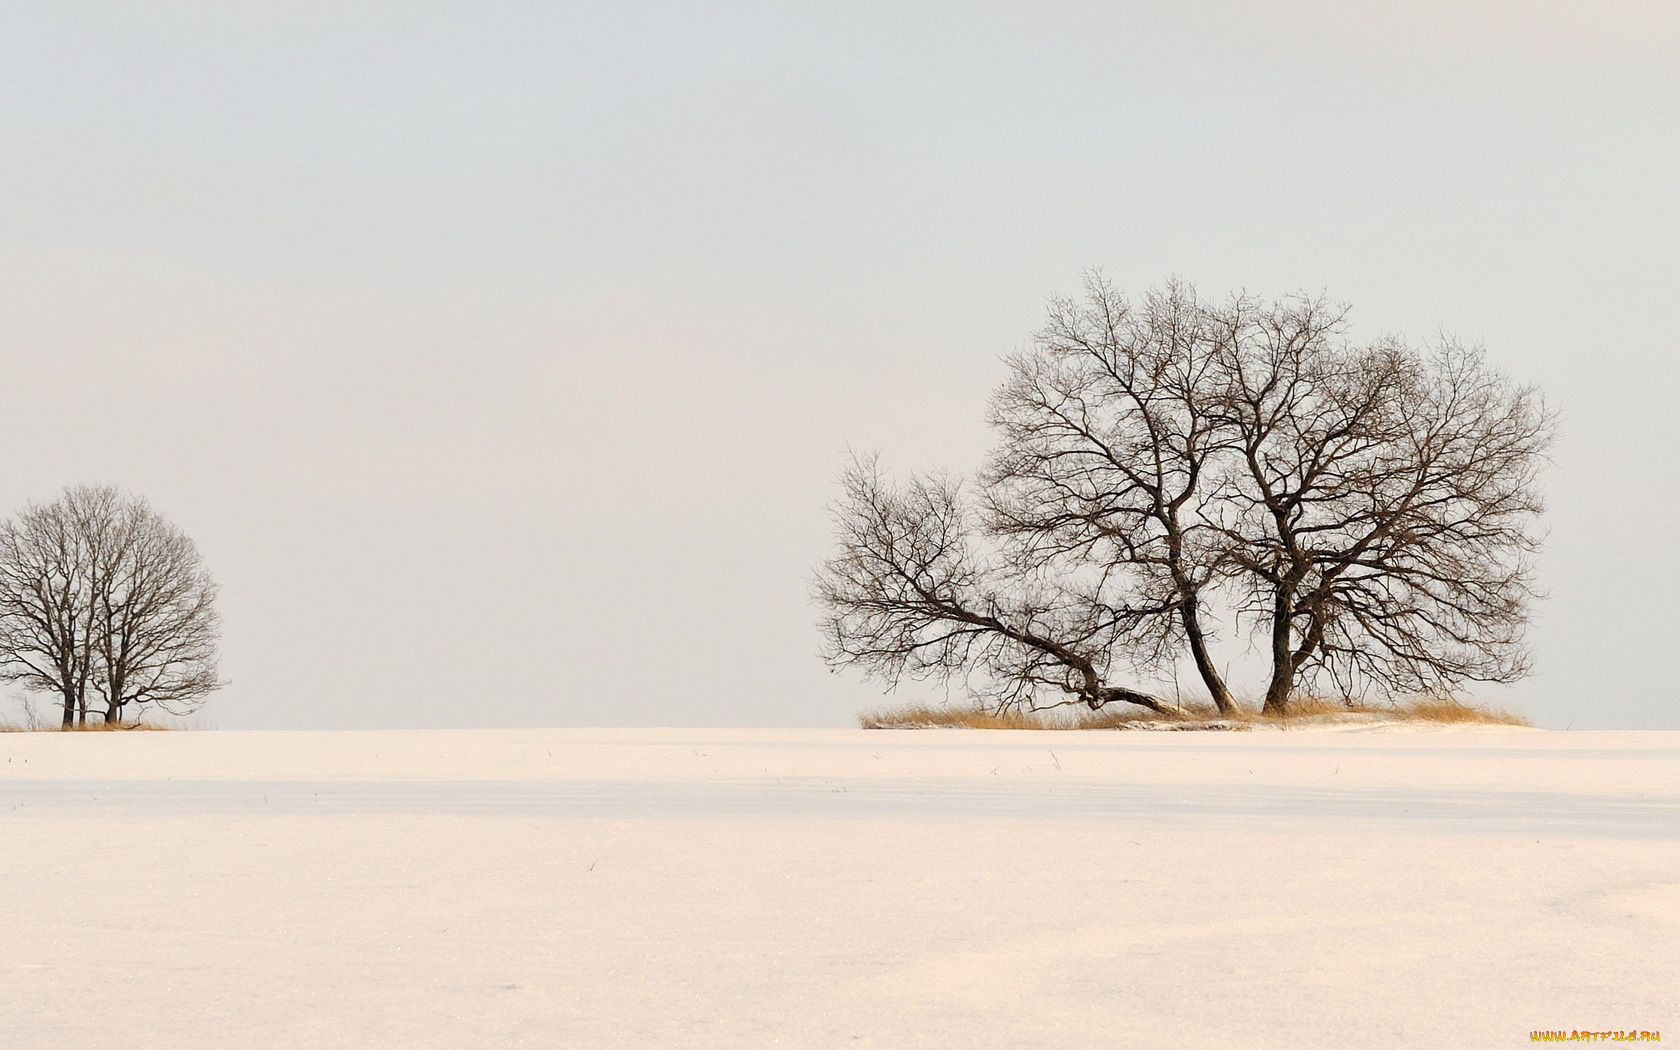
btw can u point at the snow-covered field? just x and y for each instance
(756, 888)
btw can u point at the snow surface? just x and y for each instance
(800, 888)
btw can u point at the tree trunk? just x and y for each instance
(114, 702)
(1190, 613)
(1283, 660)
(1109, 694)
(69, 711)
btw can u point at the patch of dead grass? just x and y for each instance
(1432, 710)
(119, 727)
(1439, 709)
(91, 727)
(929, 716)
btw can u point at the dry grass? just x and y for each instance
(121, 727)
(1420, 709)
(91, 727)
(1306, 710)
(924, 716)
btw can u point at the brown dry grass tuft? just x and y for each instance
(1438, 710)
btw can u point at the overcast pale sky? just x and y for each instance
(501, 355)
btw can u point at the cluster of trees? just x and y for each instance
(106, 605)
(1365, 512)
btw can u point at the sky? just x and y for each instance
(501, 356)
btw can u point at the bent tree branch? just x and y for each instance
(908, 595)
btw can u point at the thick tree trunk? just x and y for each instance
(69, 711)
(1283, 661)
(1109, 694)
(1190, 613)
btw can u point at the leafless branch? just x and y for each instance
(908, 594)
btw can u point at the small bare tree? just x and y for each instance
(1368, 510)
(46, 600)
(106, 604)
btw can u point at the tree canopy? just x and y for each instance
(107, 605)
(1366, 512)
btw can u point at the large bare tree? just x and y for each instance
(1382, 515)
(106, 604)
(1108, 451)
(1366, 510)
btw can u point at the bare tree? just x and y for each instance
(104, 602)
(1368, 510)
(1383, 512)
(909, 594)
(1108, 451)
(46, 602)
